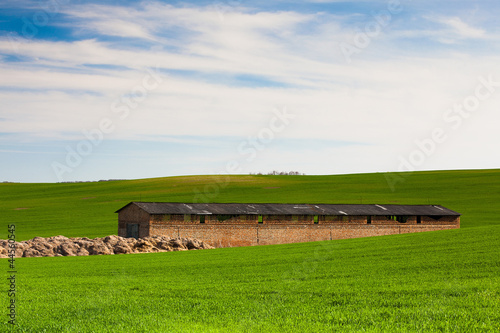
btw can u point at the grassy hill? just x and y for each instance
(443, 281)
(87, 209)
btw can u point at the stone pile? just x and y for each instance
(58, 246)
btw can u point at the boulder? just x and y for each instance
(31, 253)
(82, 246)
(45, 248)
(193, 244)
(143, 246)
(122, 248)
(82, 252)
(58, 239)
(177, 243)
(112, 240)
(99, 248)
(68, 249)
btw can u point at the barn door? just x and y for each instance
(132, 231)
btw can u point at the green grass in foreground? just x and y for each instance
(446, 281)
(87, 209)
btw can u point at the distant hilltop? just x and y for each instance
(91, 181)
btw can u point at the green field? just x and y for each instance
(444, 281)
(87, 209)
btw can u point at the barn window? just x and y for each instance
(261, 219)
(223, 218)
(202, 219)
(316, 219)
(398, 218)
(187, 218)
(402, 218)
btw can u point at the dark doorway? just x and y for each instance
(419, 219)
(132, 231)
(368, 220)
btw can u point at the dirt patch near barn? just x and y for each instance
(59, 246)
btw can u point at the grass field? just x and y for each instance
(440, 281)
(87, 209)
(444, 281)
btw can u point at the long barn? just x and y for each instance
(231, 224)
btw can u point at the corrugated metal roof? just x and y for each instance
(156, 208)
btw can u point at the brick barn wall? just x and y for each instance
(241, 230)
(281, 231)
(274, 234)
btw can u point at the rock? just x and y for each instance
(58, 239)
(68, 249)
(43, 247)
(99, 248)
(112, 240)
(177, 243)
(122, 249)
(192, 244)
(143, 246)
(58, 246)
(164, 245)
(82, 252)
(31, 253)
(20, 248)
(82, 243)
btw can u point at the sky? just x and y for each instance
(94, 90)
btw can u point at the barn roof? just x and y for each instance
(158, 208)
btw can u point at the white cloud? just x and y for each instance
(381, 99)
(454, 30)
(461, 28)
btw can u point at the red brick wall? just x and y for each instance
(225, 235)
(246, 231)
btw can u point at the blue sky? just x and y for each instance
(95, 90)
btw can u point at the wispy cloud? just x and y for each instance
(462, 29)
(224, 76)
(454, 29)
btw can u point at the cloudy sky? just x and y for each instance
(95, 90)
